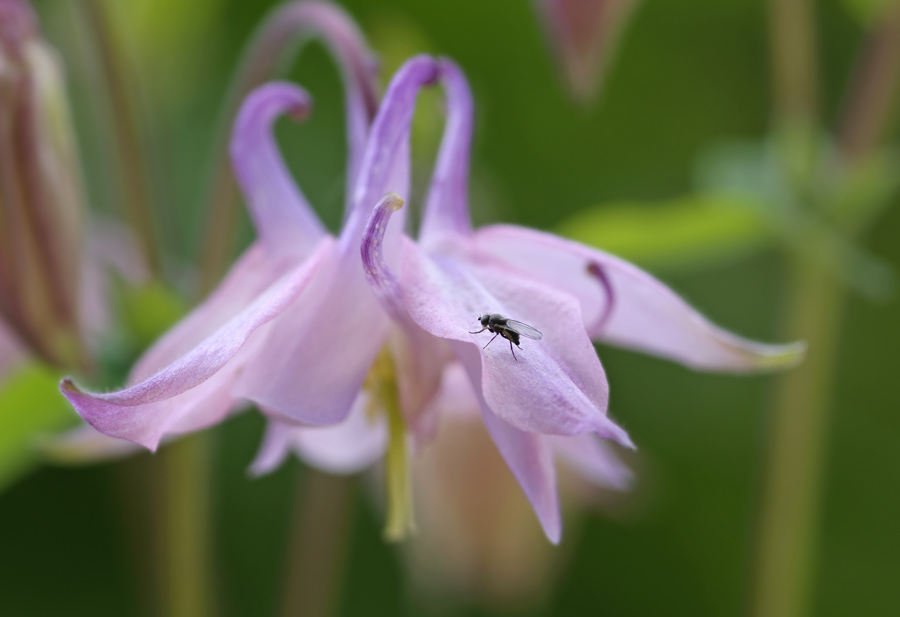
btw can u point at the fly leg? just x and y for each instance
(480, 331)
(491, 341)
(512, 350)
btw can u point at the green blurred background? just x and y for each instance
(688, 75)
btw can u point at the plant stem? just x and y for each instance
(872, 89)
(133, 184)
(796, 444)
(317, 545)
(794, 65)
(797, 436)
(185, 562)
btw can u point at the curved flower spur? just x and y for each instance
(572, 293)
(186, 380)
(305, 349)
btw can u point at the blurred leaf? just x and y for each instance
(867, 190)
(170, 40)
(751, 170)
(868, 11)
(690, 232)
(816, 208)
(149, 311)
(30, 405)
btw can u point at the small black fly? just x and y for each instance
(510, 329)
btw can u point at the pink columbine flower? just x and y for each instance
(294, 328)
(267, 332)
(572, 293)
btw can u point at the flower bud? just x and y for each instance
(584, 35)
(40, 193)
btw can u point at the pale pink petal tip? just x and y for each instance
(347, 447)
(594, 460)
(623, 305)
(607, 429)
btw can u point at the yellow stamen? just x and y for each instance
(381, 385)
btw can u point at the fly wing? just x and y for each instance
(523, 329)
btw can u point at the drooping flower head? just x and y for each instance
(187, 379)
(307, 327)
(294, 328)
(571, 293)
(558, 397)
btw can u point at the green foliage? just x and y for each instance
(688, 232)
(149, 311)
(30, 405)
(868, 11)
(813, 203)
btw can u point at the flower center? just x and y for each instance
(381, 385)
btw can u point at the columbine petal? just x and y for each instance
(447, 205)
(563, 389)
(593, 459)
(557, 385)
(296, 20)
(530, 458)
(319, 350)
(640, 313)
(419, 357)
(326, 346)
(386, 158)
(343, 448)
(250, 276)
(283, 218)
(529, 455)
(193, 391)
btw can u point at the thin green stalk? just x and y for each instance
(317, 545)
(185, 560)
(787, 521)
(794, 67)
(797, 437)
(134, 185)
(796, 447)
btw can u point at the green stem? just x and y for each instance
(794, 65)
(185, 562)
(317, 548)
(798, 425)
(133, 184)
(400, 522)
(796, 446)
(795, 443)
